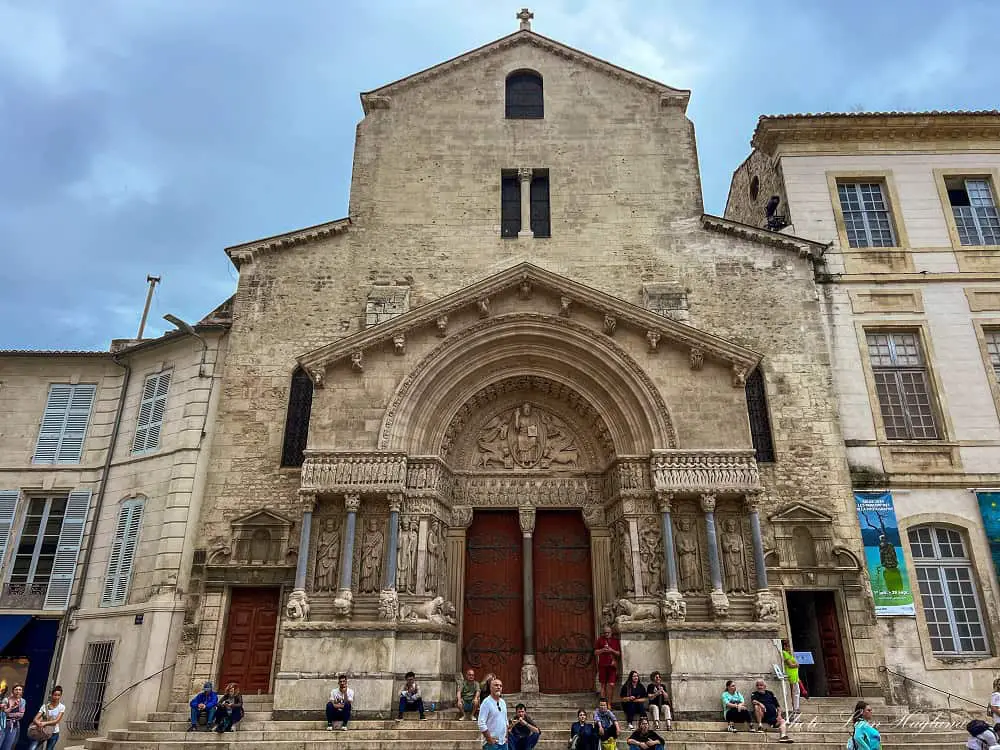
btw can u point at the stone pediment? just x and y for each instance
(526, 278)
(381, 98)
(799, 513)
(261, 518)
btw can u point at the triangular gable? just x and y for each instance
(262, 517)
(625, 314)
(802, 514)
(803, 247)
(377, 98)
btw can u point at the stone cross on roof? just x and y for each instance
(525, 17)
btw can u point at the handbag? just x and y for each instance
(39, 734)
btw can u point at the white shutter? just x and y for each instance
(151, 410)
(123, 550)
(67, 550)
(8, 506)
(64, 424)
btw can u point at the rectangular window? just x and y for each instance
(902, 385)
(866, 214)
(992, 336)
(151, 410)
(64, 424)
(36, 548)
(510, 206)
(540, 224)
(123, 551)
(91, 686)
(974, 210)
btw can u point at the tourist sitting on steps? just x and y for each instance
(659, 701)
(645, 738)
(767, 711)
(734, 708)
(584, 732)
(205, 701)
(338, 708)
(606, 723)
(467, 698)
(409, 698)
(524, 733)
(230, 709)
(633, 695)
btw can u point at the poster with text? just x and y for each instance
(989, 509)
(884, 554)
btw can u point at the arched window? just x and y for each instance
(760, 420)
(524, 96)
(947, 591)
(300, 397)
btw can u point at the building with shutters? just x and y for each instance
(910, 295)
(102, 464)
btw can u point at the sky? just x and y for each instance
(144, 136)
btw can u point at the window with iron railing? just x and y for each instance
(91, 686)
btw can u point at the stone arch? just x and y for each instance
(527, 344)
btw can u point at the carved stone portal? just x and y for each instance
(526, 438)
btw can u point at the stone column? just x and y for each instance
(720, 602)
(765, 604)
(298, 603)
(461, 519)
(345, 597)
(388, 599)
(600, 560)
(524, 175)
(673, 605)
(529, 669)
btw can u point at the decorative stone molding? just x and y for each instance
(740, 376)
(260, 538)
(720, 604)
(429, 476)
(564, 305)
(388, 605)
(399, 343)
(370, 102)
(307, 499)
(357, 361)
(317, 373)
(653, 339)
(765, 607)
(240, 254)
(708, 503)
(526, 517)
(352, 503)
(524, 174)
(802, 247)
(705, 471)
(594, 517)
(442, 325)
(297, 607)
(484, 307)
(754, 501)
(664, 501)
(515, 492)
(354, 471)
(524, 289)
(674, 607)
(610, 323)
(395, 500)
(461, 516)
(697, 358)
(628, 477)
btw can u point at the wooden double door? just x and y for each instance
(248, 651)
(493, 628)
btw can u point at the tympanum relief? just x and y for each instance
(526, 438)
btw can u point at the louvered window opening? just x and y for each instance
(524, 99)
(947, 592)
(902, 385)
(510, 206)
(866, 215)
(300, 397)
(760, 418)
(91, 686)
(540, 220)
(151, 411)
(992, 336)
(123, 553)
(975, 211)
(64, 424)
(39, 541)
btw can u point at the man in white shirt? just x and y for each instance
(339, 707)
(493, 718)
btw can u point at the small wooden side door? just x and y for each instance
(830, 641)
(248, 651)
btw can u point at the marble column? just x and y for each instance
(461, 519)
(524, 176)
(673, 605)
(720, 602)
(351, 503)
(388, 599)
(765, 604)
(529, 668)
(305, 533)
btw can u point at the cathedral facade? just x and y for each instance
(525, 388)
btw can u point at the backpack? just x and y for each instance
(976, 727)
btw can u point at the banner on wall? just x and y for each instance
(989, 509)
(884, 554)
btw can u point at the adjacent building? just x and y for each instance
(906, 205)
(102, 467)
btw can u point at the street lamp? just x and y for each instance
(189, 329)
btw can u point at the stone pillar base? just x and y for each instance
(674, 607)
(720, 603)
(766, 607)
(388, 605)
(529, 675)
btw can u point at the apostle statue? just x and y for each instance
(371, 559)
(327, 556)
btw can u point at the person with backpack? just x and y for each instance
(993, 709)
(981, 736)
(864, 736)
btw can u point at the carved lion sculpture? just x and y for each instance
(627, 611)
(298, 606)
(436, 610)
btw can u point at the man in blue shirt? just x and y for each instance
(205, 701)
(493, 718)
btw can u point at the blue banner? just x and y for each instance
(989, 509)
(884, 554)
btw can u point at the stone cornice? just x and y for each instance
(624, 313)
(705, 471)
(381, 97)
(773, 133)
(805, 248)
(247, 252)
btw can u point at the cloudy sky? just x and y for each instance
(144, 136)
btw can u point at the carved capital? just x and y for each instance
(697, 359)
(399, 343)
(461, 516)
(352, 503)
(610, 323)
(673, 607)
(564, 305)
(395, 501)
(317, 373)
(308, 500)
(765, 607)
(358, 361)
(524, 174)
(665, 501)
(526, 517)
(442, 325)
(708, 503)
(593, 516)
(754, 501)
(653, 339)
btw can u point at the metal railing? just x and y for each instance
(981, 704)
(23, 595)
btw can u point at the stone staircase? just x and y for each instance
(823, 726)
